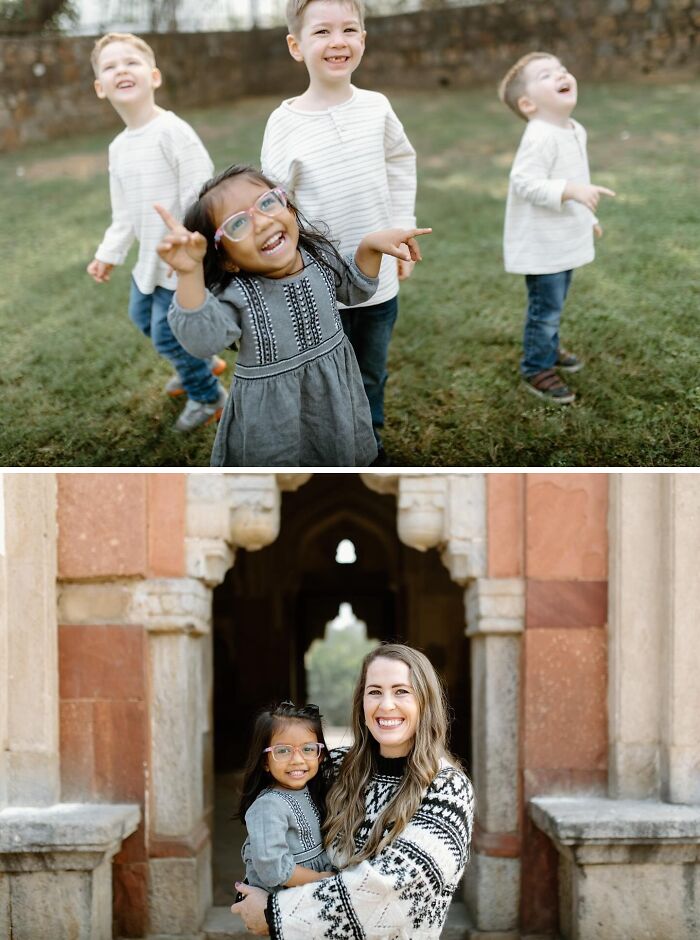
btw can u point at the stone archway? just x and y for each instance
(446, 512)
(173, 617)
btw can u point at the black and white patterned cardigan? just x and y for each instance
(404, 892)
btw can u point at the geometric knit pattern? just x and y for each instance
(404, 892)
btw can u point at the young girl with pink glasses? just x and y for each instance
(252, 272)
(283, 799)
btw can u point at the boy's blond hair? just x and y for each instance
(296, 9)
(134, 41)
(512, 86)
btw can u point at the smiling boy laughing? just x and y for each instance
(343, 157)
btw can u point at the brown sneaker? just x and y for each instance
(548, 385)
(173, 386)
(568, 362)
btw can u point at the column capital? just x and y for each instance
(495, 606)
(446, 511)
(238, 509)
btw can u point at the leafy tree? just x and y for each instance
(332, 666)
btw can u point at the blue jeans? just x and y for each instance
(546, 294)
(369, 331)
(149, 312)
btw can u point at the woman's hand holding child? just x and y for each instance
(399, 242)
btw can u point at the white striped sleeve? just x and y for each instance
(401, 172)
(194, 168)
(530, 173)
(120, 235)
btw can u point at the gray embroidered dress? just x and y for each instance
(297, 399)
(284, 830)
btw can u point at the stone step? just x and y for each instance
(221, 924)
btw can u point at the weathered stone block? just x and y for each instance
(565, 715)
(567, 526)
(645, 852)
(492, 892)
(179, 893)
(57, 872)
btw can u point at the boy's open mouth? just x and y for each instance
(125, 83)
(337, 58)
(563, 89)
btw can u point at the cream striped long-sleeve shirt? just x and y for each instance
(351, 167)
(164, 161)
(542, 234)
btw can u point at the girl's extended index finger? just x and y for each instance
(169, 219)
(420, 231)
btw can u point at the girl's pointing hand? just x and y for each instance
(183, 250)
(399, 242)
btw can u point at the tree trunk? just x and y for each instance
(30, 16)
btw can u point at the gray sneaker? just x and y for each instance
(173, 386)
(196, 414)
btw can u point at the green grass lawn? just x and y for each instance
(80, 386)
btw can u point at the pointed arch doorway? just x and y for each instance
(276, 602)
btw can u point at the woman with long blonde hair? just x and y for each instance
(399, 820)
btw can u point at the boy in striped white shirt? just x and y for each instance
(550, 218)
(156, 158)
(343, 156)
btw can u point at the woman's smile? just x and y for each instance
(390, 706)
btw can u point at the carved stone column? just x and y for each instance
(495, 622)
(680, 730)
(655, 637)
(29, 759)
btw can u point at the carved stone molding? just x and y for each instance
(383, 483)
(208, 559)
(161, 605)
(239, 509)
(443, 511)
(495, 606)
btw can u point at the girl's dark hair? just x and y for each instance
(198, 219)
(268, 722)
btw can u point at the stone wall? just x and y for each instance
(46, 83)
(549, 533)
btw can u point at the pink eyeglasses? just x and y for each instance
(239, 225)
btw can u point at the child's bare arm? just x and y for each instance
(585, 193)
(399, 242)
(184, 251)
(303, 876)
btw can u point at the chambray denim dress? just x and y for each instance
(284, 830)
(297, 398)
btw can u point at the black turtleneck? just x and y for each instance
(390, 766)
